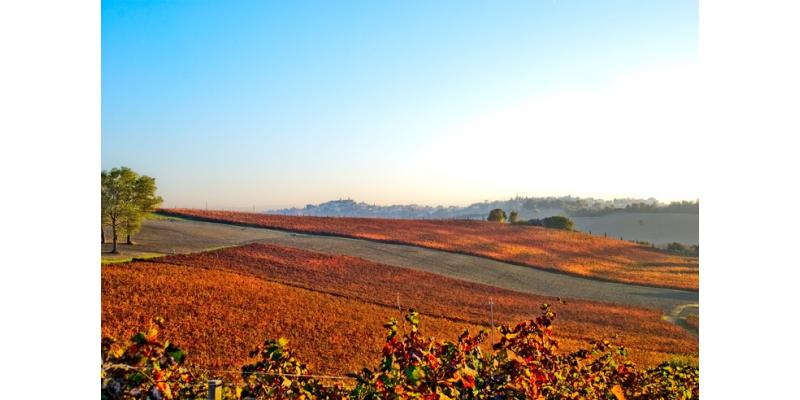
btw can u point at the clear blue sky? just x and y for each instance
(271, 103)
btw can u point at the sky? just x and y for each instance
(268, 104)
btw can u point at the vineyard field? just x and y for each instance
(573, 253)
(220, 304)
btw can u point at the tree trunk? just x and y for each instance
(114, 240)
(102, 236)
(129, 241)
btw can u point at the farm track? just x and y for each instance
(186, 236)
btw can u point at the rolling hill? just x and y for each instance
(567, 252)
(219, 304)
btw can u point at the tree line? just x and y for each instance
(554, 222)
(684, 250)
(675, 207)
(125, 199)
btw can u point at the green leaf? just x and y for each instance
(139, 338)
(414, 374)
(413, 318)
(387, 364)
(178, 355)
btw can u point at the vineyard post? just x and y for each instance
(400, 310)
(214, 389)
(491, 316)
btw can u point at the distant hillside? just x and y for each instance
(632, 219)
(527, 207)
(351, 208)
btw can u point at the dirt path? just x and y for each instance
(678, 316)
(184, 236)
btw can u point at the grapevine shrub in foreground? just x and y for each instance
(525, 363)
(147, 369)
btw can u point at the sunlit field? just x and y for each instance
(219, 304)
(556, 250)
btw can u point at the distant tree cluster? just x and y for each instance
(497, 215)
(558, 222)
(676, 207)
(684, 250)
(689, 207)
(535, 222)
(554, 222)
(125, 198)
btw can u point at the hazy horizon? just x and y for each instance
(282, 105)
(259, 207)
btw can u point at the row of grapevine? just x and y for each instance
(524, 363)
(563, 251)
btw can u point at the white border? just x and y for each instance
(49, 161)
(749, 267)
(50, 157)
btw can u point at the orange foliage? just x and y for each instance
(220, 304)
(563, 251)
(693, 321)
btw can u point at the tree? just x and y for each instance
(497, 215)
(115, 196)
(683, 250)
(558, 222)
(125, 198)
(535, 222)
(513, 217)
(145, 201)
